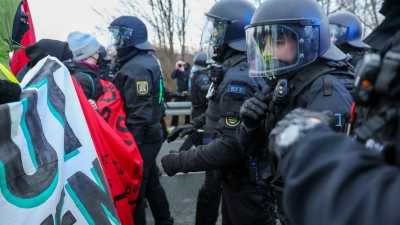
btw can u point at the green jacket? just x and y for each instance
(8, 9)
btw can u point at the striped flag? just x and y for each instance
(60, 162)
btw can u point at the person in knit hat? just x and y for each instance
(41, 49)
(84, 67)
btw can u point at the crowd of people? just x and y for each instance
(295, 117)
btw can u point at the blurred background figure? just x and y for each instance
(199, 82)
(181, 74)
(346, 34)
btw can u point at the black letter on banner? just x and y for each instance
(20, 184)
(57, 100)
(92, 196)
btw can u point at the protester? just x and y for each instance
(13, 26)
(41, 49)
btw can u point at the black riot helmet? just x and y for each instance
(225, 22)
(346, 28)
(128, 31)
(285, 35)
(200, 59)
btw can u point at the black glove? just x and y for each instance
(294, 126)
(254, 109)
(181, 131)
(168, 163)
(9, 91)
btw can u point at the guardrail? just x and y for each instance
(178, 108)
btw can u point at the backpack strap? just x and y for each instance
(91, 80)
(306, 77)
(233, 61)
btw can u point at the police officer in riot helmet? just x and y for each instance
(288, 43)
(231, 86)
(138, 79)
(199, 83)
(346, 34)
(335, 179)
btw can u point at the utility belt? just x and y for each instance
(246, 171)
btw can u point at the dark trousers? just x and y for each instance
(208, 200)
(151, 188)
(249, 204)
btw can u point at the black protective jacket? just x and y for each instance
(343, 183)
(200, 84)
(87, 78)
(223, 115)
(312, 98)
(139, 80)
(354, 54)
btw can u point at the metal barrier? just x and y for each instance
(178, 108)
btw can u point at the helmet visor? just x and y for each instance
(276, 49)
(214, 31)
(338, 34)
(118, 36)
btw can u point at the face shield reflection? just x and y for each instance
(338, 34)
(272, 47)
(214, 31)
(276, 49)
(117, 36)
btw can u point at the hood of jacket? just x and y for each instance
(8, 9)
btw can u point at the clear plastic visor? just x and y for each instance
(117, 36)
(338, 34)
(276, 49)
(214, 31)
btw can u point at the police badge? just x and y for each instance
(142, 87)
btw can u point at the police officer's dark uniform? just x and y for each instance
(243, 201)
(334, 179)
(288, 41)
(346, 34)
(199, 83)
(139, 79)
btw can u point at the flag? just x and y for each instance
(19, 58)
(60, 162)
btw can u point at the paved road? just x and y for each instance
(181, 191)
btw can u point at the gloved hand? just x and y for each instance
(254, 109)
(181, 131)
(294, 126)
(169, 164)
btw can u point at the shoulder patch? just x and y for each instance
(232, 121)
(237, 89)
(142, 87)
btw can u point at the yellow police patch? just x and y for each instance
(232, 121)
(142, 87)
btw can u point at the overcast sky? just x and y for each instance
(55, 19)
